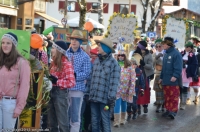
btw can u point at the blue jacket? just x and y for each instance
(192, 64)
(172, 67)
(82, 67)
(140, 82)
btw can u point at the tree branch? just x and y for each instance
(96, 9)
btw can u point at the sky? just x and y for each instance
(194, 5)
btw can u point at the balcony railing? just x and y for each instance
(11, 3)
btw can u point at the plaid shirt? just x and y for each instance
(65, 77)
(104, 80)
(82, 67)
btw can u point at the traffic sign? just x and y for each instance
(151, 34)
(64, 21)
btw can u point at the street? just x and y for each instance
(186, 120)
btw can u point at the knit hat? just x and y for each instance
(189, 44)
(142, 45)
(12, 37)
(158, 41)
(169, 41)
(61, 46)
(94, 51)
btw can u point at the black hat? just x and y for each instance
(142, 45)
(12, 37)
(169, 41)
(61, 46)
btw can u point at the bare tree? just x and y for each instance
(83, 11)
(145, 4)
(154, 13)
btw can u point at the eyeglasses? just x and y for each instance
(122, 55)
(158, 46)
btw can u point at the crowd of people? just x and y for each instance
(96, 83)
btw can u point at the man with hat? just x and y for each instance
(82, 68)
(170, 77)
(103, 84)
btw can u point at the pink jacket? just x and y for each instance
(8, 82)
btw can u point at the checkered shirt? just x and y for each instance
(82, 67)
(104, 80)
(65, 76)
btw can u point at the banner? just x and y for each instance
(63, 33)
(23, 40)
(177, 30)
(122, 26)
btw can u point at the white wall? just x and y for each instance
(52, 10)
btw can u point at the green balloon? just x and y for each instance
(47, 31)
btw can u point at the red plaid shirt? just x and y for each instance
(65, 76)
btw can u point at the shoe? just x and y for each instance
(196, 101)
(158, 111)
(158, 108)
(182, 106)
(129, 117)
(123, 118)
(166, 114)
(188, 101)
(171, 115)
(155, 103)
(139, 111)
(145, 110)
(134, 116)
(163, 108)
(116, 122)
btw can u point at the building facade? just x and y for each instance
(8, 14)
(109, 7)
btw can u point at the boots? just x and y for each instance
(182, 106)
(129, 117)
(123, 118)
(196, 101)
(116, 122)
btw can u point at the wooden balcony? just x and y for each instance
(11, 3)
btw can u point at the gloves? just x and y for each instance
(86, 98)
(111, 103)
(142, 63)
(141, 92)
(53, 79)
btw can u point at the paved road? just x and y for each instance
(186, 121)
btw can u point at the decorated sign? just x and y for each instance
(122, 26)
(63, 33)
(175, 28)
(64, 21)
(23, 45)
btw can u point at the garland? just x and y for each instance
(164, 23)
(123, 16)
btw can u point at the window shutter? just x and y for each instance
(77, 8)
(61, 5)
(106, 5)
(116, 8)
(89, 6)
(133, 9)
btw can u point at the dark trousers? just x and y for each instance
(183, 94)
(58, 110)
(133, 107)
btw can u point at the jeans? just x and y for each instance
(133, 107)
(120, 104)
(99, 114)
(57, 110)
(82, 118)
(75, 103)
(7, 107)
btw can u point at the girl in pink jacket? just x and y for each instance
(14, 84)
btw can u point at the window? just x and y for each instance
(95, 7)
(176, 3)
(119, 7)
(123, 8)
(70, 6)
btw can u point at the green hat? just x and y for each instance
(189, 44)
(158, 40)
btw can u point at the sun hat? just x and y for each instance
(106, 42)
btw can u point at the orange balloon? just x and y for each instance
(36, 41)
(88, 26)
(41, 48)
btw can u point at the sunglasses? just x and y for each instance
(158, 46)
(122, 55)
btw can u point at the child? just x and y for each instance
(132, 108)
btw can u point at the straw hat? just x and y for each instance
(137, 58)
(107, 42)
(77, 34)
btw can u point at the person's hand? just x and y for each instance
(111, 103)
(173, 79)
(160, 81)
(15, 115)
(53, 79)
(142, 63)
(141, 92)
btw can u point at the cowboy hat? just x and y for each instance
(196, 38)
(107, 42)
(77, 34)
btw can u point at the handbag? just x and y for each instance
(158, 67)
